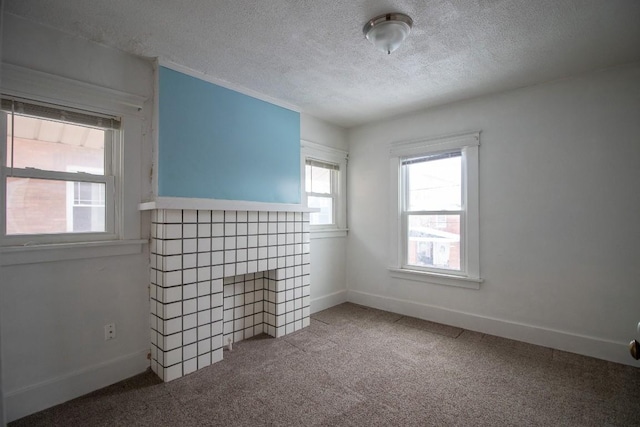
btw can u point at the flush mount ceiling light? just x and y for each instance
(388, 31)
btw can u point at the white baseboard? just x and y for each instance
(3, 421)
(326, 301)
(36, 397)
(581, 344)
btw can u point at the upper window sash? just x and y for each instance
(406, 183)
(334, 177)
(11, 106)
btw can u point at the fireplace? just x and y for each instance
(221, 276)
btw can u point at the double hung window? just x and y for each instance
(324, 176)
(321, 186)
(435, 233)
(57, 173)
(433, 211)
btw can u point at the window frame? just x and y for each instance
(469, 274)
(334, 171)
(323, 154)
(27, 83)
(112, 201)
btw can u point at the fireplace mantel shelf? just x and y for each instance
(220, 205)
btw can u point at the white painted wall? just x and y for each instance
(52, 314)
(2, 412)
(559, 171)
(328, 255)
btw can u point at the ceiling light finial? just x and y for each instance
(388, 31)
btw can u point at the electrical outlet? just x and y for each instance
(109, 331)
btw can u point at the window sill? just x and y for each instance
(330, 233)
(440, 279)
(16, 255)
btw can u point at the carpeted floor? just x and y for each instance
(356, 366)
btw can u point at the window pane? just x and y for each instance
(320, 180)
(42, 206)
(434, 184)
(88, 207)
(325, 216)
(88, 194)
(55, 146)
(88, 219)
(434, 241)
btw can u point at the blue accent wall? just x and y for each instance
(215, 143)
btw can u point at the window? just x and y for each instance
(435, 231)
(432, 209)
(57, 172)
(324, 175)
(321, 186)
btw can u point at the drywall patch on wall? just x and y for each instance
(215, 143)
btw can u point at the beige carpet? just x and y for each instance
(356, 366)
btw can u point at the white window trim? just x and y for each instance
(39, 86)
(469, 143)
(311, 150)
(35, 254)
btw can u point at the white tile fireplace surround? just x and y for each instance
(220, 276)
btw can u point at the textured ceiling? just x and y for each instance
(311, 53)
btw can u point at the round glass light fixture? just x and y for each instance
(388, 31)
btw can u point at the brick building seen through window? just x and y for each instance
(49, 206)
